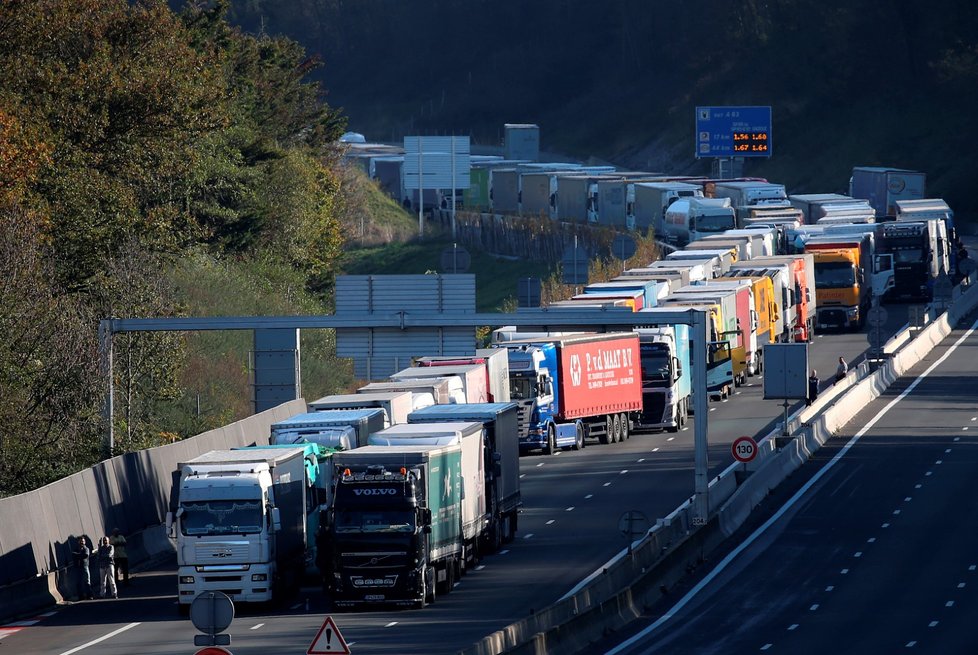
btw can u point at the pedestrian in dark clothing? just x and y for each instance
(118, 542)
(840, 373)
(812, 387)
(83, 555)
(106, 565)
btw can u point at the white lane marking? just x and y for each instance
(670, 438)
(896, 512)
(907, 499)
(255, 627)
(623, 472)
(480, 567)
(957, 438)
(971, 568)
(606, 484)
(641, 460)
(940, 461)
(871, 540)
(885, 525)
(949, 603)
(589, 496)
(813, 607)
(540, 464)
(713, 409)
(296, 606)
(929, 473)
(830, 588)
(100, 639)
(965, 428)
(911, 644)
(947, 451)
(961, 585)
(793, 626)
(844, 571)
(389, 625)
(550, 522)
(742, 546)
(766, 646)
(655, 450)
(933, 624)
(859, 553)
(917, 486)
(522, 475)
(503, 552)
(527, 536)
(569, 509)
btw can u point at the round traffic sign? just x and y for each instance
(878, 315)
(633, 523)
(744, 449)
(213, 650)
(212, 612)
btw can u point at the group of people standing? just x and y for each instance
(113, 565)
(840, 373)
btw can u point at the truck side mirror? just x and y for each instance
(170, 532)
(678, 368)
(425, 517)
(276, 519)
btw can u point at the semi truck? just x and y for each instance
(720, 365)
(393, 534)
(240, 519)
(441, 390)
(811, 204)
(331, 428)
(650, 290)
(571, 388)
(470, 435)
(396, 405)
(920, 257)
(802, 273)
(883, 187)
(843, 279)
(502, 456)
(652, 199)
(472, 378)
(496, 366)
(666, 376)
(691, 219)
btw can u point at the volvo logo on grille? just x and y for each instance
(221, 553)
(375, 492)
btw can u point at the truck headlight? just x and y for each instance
(259, 577)
(186, 579)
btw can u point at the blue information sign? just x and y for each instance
(733, 132)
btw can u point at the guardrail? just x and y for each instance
(640, 575)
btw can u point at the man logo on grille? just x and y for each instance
(575, 370)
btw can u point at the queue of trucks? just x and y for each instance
(389, 494)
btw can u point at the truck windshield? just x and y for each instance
(221, 517)
(521, 388)
(375, 521)
(907, 255)
(715, 223)
(655, 362)
(835, 275)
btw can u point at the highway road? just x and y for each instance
(872, 549)
(573, 501)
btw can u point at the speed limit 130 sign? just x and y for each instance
(744, 449)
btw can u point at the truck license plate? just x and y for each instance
(374, 597)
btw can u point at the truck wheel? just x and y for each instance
(616, 428)
(626, 427)
(579, 437)
(551, 446)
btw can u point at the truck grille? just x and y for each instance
(523, 419)
(374, 561)
(832, 318)
(225, 552)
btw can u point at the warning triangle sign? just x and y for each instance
(328, 640)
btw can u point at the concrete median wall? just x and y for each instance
(38, 530)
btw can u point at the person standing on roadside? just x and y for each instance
(83, 558)
(840, 373)
(106, 566)
(812, 387)
(118, 542)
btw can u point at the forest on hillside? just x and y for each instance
(132, 138)
(860, 82)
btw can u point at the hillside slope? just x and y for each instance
(865, 82)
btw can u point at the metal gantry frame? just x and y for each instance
(563, 319)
